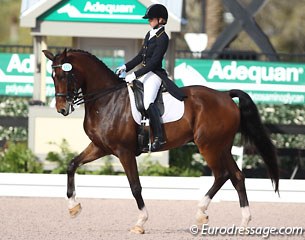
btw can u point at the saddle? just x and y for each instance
(138, 91)
(143, 132)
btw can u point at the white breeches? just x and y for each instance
(151, 83)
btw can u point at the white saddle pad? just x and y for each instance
(173, 108)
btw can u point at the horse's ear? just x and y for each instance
(64, 53)
(48, 54)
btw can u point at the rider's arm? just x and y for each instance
(156, 60)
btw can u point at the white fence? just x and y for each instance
(163, 188)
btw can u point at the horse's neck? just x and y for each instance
(98, 81)
(108, 108)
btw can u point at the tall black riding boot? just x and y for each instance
(155, 123)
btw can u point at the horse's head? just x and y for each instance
(77, 69)
(66, 85)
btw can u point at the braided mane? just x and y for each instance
(91, 56)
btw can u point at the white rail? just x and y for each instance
(165, 188)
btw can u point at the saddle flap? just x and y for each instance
(138, 90)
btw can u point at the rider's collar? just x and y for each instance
(153, 31)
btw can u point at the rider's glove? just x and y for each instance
(120, 69)
(129, 78)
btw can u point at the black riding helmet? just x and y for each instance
(156, 11)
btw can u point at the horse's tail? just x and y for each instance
(253, 130)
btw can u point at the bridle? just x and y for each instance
(71, 96)
(76, 97)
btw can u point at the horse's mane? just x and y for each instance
(91, 56)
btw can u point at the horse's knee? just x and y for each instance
(223, 177)
(239, 176)
(238, 180)
(71, 167)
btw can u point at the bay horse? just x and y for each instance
(211, 120)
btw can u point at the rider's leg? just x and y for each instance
(155, 123)
(152, 83)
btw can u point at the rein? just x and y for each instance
(98, 94)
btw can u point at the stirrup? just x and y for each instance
(157, 144)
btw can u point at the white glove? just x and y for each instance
(129, 78)
(120, 69)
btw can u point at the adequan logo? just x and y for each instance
(258, 74)
(108, 8)
(25, 65)
(97, 11)
(20, 64)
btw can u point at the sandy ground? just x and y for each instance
(47, 218)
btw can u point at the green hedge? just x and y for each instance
(18, 158)
(181, 159)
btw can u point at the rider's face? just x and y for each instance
(153, 22)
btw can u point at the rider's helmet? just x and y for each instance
(156, 11)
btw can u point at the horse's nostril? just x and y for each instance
(62, 111)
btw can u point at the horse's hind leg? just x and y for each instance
(238, 180)
(89, 154)
(224, 167)
(221, 176)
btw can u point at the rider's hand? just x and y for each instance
(120, 69)
(129, 78)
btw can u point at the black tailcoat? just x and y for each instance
(151, 57)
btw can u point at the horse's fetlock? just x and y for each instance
(70, 193)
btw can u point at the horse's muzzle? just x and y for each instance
(67, 109)
(63, 111)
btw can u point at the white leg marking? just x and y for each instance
(71, 201)
(202, 216)
(143, 216)
(246, 216)
(204, 203)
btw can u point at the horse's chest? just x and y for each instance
(91, 125)
(96, 126)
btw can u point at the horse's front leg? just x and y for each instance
(91, 153)
(128, 161)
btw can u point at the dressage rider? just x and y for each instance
(151, 73)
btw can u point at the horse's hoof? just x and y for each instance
(202, 218)
(75, 211)
(138, 230)
(244, 223)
